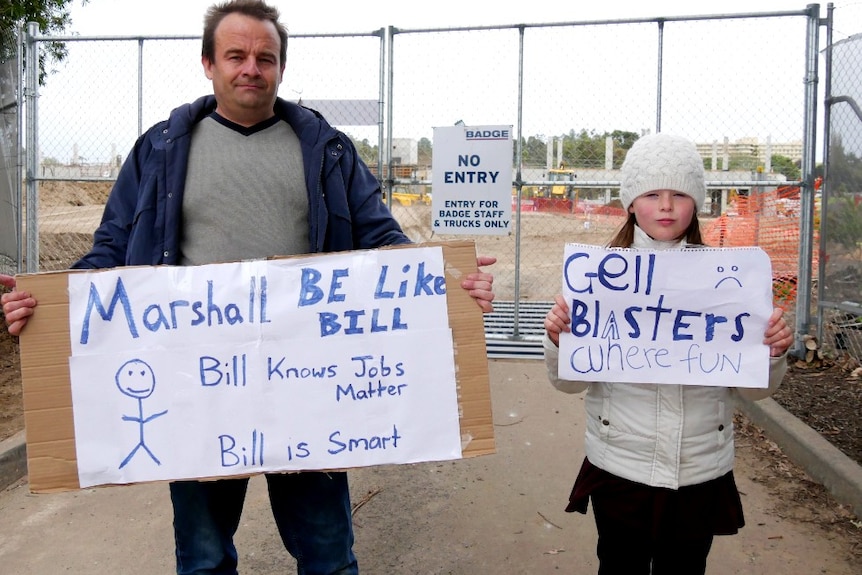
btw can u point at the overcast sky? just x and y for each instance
(184, 17)
(148, 17)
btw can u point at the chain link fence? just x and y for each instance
(577, 95)
(587, 92)
(109, 90)
(840, 288)
(9, 238)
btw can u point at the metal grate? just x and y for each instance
(500, 339)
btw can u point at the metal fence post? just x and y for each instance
(519, 131)
(827, 137)
(384, 114)
(386, 156)
(19, 173)
(806, 209)
(31, 91)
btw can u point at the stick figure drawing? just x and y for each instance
(136, 379)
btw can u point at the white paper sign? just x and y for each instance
(689, 316)
(326, 362)
(472, 180)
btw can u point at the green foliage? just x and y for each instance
(52, 16)
(366, 151)
(844, 172)
(584, 149)
(744, 162)
(783, 291)
(534, 151)
(424, 152)
(786, 166)
(844, 221)
(844, 196)
(7, 43)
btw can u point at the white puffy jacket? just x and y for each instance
(660, 435)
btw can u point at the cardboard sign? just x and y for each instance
(688, 316)
(315, 362)
(472, 180)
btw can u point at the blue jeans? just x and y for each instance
(311, 510)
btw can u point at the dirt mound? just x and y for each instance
(74, 193)
(11, 404)
(59, 251)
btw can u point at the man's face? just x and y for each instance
(246, 72)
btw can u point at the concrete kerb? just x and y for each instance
(821, 460)
(824, 462)
(13, 459)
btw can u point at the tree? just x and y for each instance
(844, 170)
(424, 152)
(534, 151)
(844, 221)
(366, 151)
(623, 140)
(587, 149)
(786, 166)
(52, 16)
(584, 149)
(749, 162)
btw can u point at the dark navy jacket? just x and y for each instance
(142, 222)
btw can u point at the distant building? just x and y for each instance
(717, 154)
(405, 151)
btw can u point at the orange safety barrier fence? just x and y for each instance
(769, 220)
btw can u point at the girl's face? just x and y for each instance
(663, 214)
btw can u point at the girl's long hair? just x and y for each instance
(625, 236)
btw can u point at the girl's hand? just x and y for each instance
(778, 336)
(557, 321)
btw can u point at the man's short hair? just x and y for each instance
(257, 9)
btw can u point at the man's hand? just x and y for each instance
(480, 285)
(17, 306)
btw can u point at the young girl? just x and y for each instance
(659, 458)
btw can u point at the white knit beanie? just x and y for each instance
(662, 162)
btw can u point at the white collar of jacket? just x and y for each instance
(643, 241)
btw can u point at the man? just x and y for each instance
(239, 175)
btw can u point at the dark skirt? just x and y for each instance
(710, 508)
